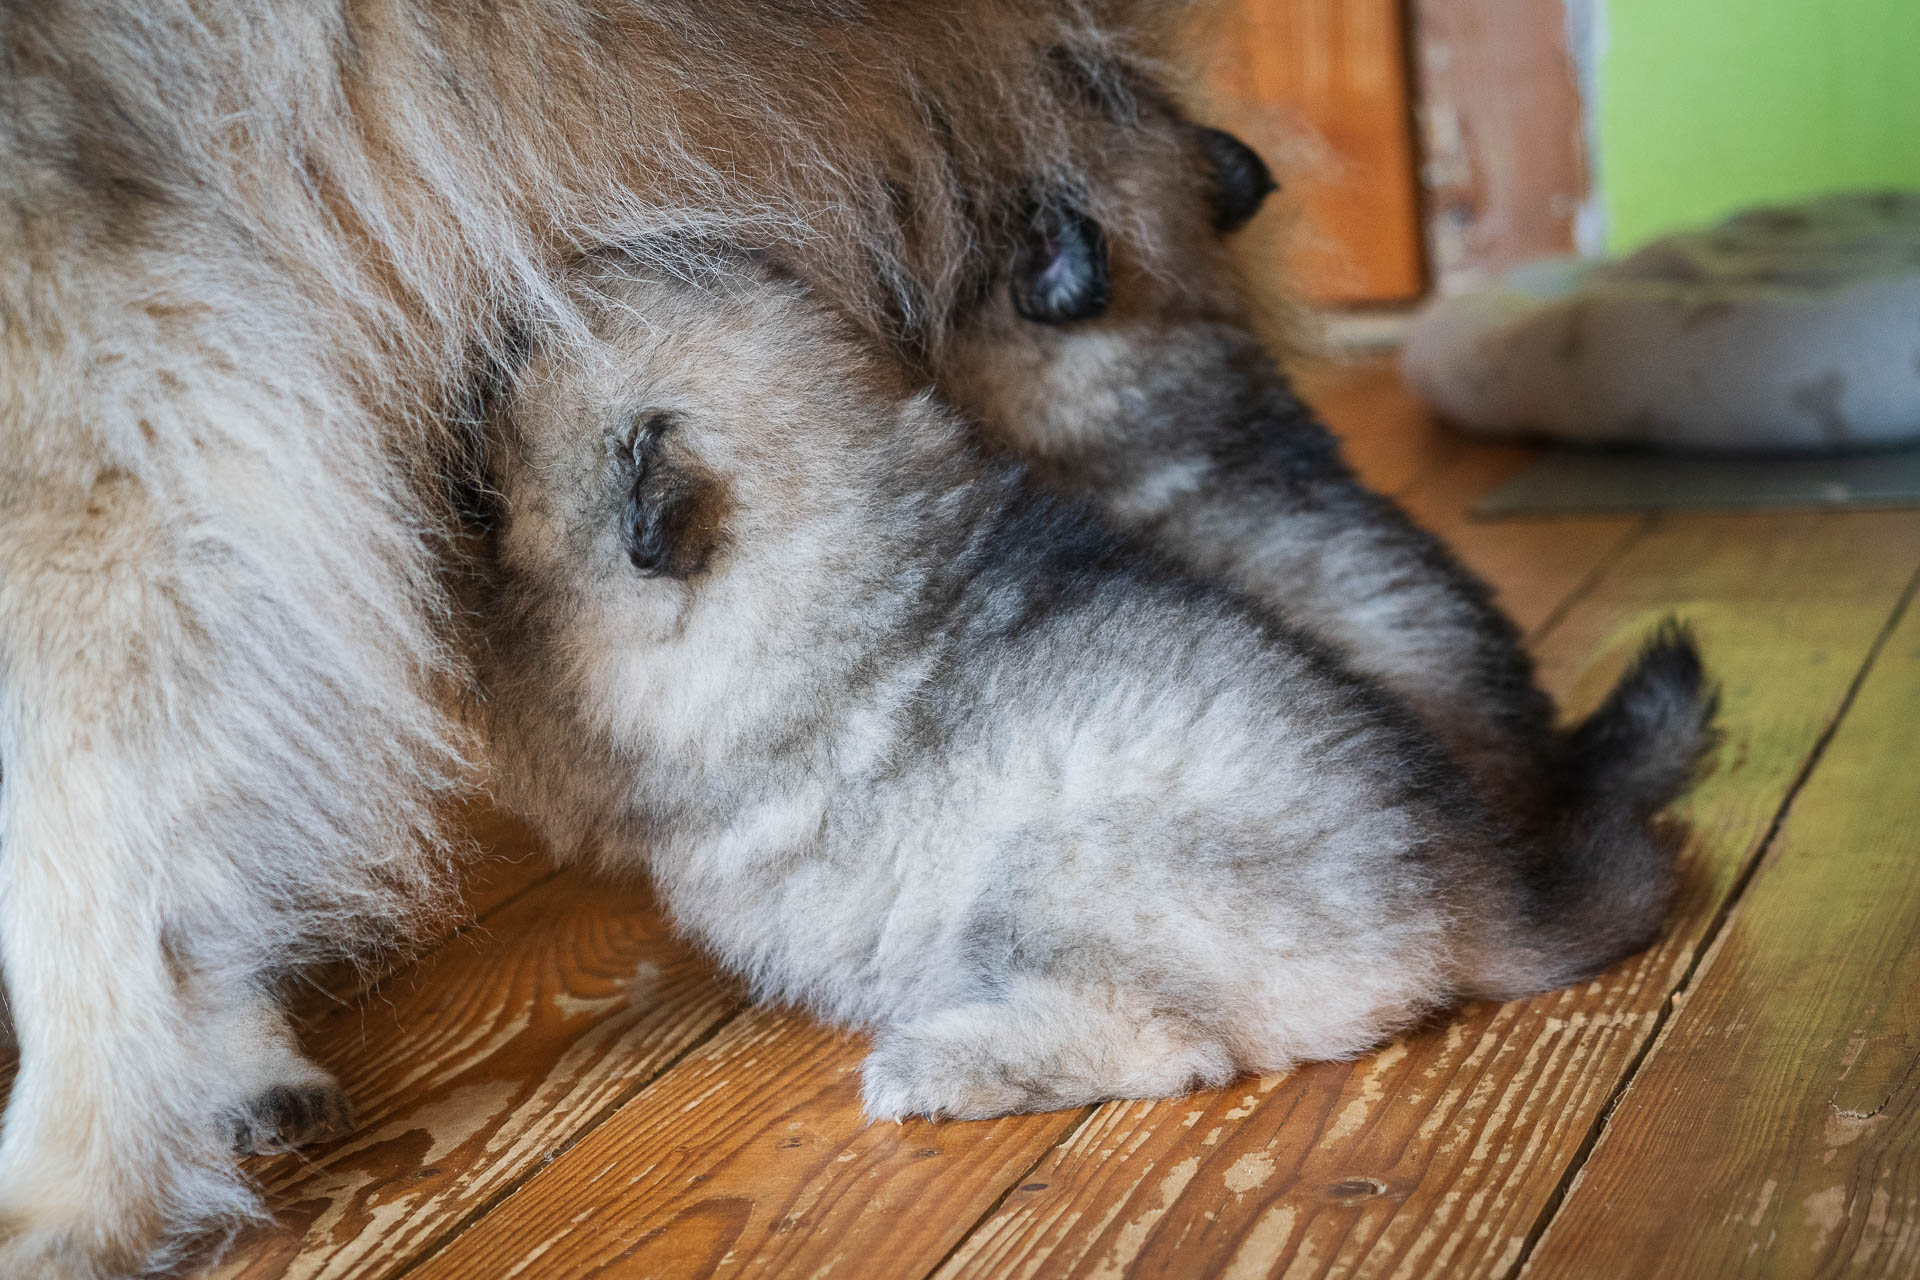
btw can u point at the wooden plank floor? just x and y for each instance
(562, 1089)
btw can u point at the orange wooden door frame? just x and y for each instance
(1503, 132)
(1322, 88)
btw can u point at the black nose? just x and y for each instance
(1060, 265)
(1241, 179)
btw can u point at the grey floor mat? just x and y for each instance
(1566, 483)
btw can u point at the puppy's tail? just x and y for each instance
(1599, 888)
(1641, 750)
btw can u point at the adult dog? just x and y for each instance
(249, 248)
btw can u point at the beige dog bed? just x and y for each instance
(1794, 328)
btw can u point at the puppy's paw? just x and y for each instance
(921, 1073)
(1046, 1048)
(284, 1116)
(890, 1087)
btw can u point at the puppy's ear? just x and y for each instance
(1059, 270)
(671, 522)
(1241, 179)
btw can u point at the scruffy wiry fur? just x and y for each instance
(907, 740)
(247, 247)
(1165, 408)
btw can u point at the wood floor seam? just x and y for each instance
(441, 1242)
(1591, 582)
(1013, 1184)
(1715, 927)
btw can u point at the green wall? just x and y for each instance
(1709, 105)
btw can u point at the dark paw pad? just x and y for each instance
(288, 1116)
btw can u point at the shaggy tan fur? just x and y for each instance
(247, 249)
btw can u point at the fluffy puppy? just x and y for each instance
(1141, 382)
(910, 742)
(1117, 354)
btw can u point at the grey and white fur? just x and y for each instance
(907, 740)
(1138, 381)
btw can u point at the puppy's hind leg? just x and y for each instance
(1048, 1045)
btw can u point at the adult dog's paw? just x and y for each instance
(34, 1249)
(285, 1116)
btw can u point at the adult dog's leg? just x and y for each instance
(219, 745)
(108, 1145)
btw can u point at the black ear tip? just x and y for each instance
(1241, 179)
(652, 498)
(1060, 267)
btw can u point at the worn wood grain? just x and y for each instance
(1437, 1154)
(1774, 1130)
(752, 1158)
(470, 1070)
